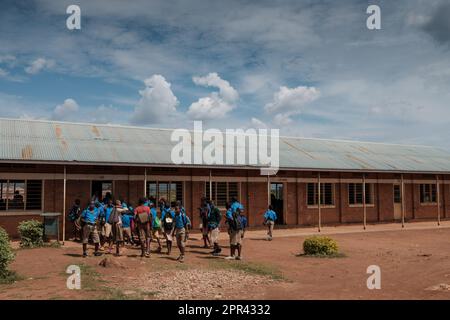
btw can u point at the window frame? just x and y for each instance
(322, 205)
(371, 192)
(228, 196)
(168, 190)
(431, 202)
(19, 211)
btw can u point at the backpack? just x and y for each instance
(168, 222)
(74, 213)
(157, 223)
(236, 221)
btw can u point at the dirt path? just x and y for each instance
(411, 262)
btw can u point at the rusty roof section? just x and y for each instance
(47, 141)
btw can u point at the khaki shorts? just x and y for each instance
(107, 230)
(215, 235)
(144, 231)
(180, 234)
(90, 230)
(235, 237)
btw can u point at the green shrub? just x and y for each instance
(31, 234)
(6, 253)
(319, 245)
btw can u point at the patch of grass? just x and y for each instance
(250, 268)
(10, 277)
(53, 244)
(324, 256)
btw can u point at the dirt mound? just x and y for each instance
(109, 262)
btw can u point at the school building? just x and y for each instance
(45, 166)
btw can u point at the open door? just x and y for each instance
(276, 200)
(102, 189)
(397, 202)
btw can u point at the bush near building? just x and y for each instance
(31, 234)
(320, 245)
(6, 254)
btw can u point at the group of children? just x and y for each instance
(110, 223)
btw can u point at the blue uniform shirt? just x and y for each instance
(180, 221)
(90, 216)
(229, 214)
(236, 205)
(270, 215)
(126, 220)
(108, 211)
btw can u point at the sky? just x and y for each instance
(308, 68)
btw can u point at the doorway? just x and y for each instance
(276, 200)
(101, 189)
(397, 202)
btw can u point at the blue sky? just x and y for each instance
(310, 68)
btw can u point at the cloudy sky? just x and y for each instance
(310, 68)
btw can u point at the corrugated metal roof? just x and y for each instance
(47, 141)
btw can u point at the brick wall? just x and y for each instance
(253, 195)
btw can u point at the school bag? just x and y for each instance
(168, 221)
(143, 217)
(114, 217)
(157, 223)
(74, 213)
(236, 221)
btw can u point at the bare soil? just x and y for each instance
(415, 264)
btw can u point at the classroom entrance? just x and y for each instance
(100, 189)
(397, 202)
(276, 200)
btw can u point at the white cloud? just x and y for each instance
(157, 101)
(288, 102)
(217, 104)
(38, 65)
(292, 99)
(66, 110)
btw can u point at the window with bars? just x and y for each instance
(428, 193)
(355, 193)
(169, 190)
(326, 194)
(18, 195)
(222, 192)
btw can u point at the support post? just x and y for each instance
(438, 199)
(364, 201)
(210, 185)
(319, 207)
(403, 201)
(268, 190)
(64, 205)
(145, 183)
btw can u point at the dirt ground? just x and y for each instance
(414, 262)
